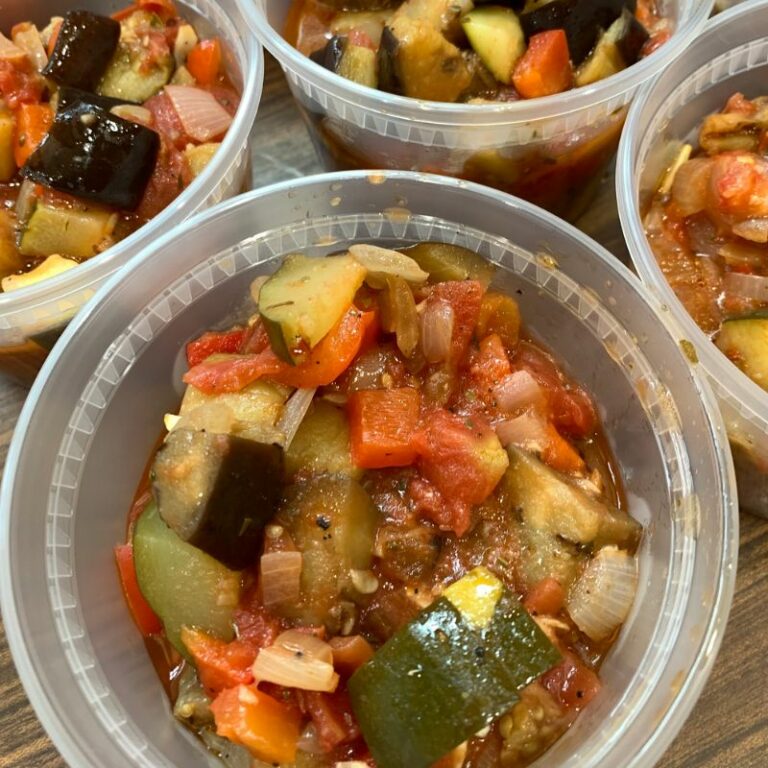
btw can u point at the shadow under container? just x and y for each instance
(94, 415)
(31, 319)
(730, 55)
(551, 151)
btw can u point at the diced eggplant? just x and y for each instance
(218, 491)
(78, 233)
(587, 20)
(353, 62)
(95, 155)
(7, 138)
(417, 60)
(305, 299)
(183, 585)
(10, 262)
(494, 32)
(67, 97)
(629, 35)
(540, 17)
(745, 341)
(84, 47)
(449, 673)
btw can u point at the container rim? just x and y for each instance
(724, 373)
(95, 269)
(697, 672)
(442, 113)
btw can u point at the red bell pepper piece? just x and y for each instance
(214, 343)
(146, 619)
(545, 68)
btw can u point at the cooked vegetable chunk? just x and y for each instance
(218, 491)
(745, 341)
(184, 586)
(97, 156)
(67, 97)
(305, 299)
(354, 62)
(449, 673)
(497, 37)
(446, 262)
(83, 50)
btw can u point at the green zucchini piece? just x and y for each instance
(451, 262)
(744, 340)
(183, 585)
(305, 299)
(448, 673)
(78, 234)
(497, 38)
(332, 520)
(125, 80)
(218, 491)
(606, 59)
(193, 705)
(549, 503)
(84, 46)
(321, 444)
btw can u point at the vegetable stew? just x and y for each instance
(384, 528)
(103, 122)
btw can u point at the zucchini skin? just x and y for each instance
(95, 155)
(83, 50)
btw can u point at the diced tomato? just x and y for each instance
(253, 623)
(136, 510)
(226, 96)
(265, 726)
(427, 502)
(646, 13)
(214, 343)
(204, 61)
(220, 665)
(545, 68)
(559, 454)
(332, 716)
(166, 122)
(325, 363)
(360, 38)
(19, 86)
(499, 314)
(349, 653)
(146, 619)
(571, 683)
(490, 365)
(741, 105)
(382, 423)
(463, 459)
(545, 597)
(465, 297)
(170, 177)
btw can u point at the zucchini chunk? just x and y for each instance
(446, 262)
(497, 37)
(183, 585)
(551, 504)
(586, 21)
(353, 62)
(83, 50)
(744, 340)
(448, 673)
(305, 299)
(78, 234)
(95, 155)
(218, 491)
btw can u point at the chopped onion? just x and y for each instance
(753, 287)
(280, 577)
(27, 37)
(294, 412)
(384, 261)
(600, 600)
(754, 230)
(690, 189)
(351, 764)
(527, 431)
(133, 113)
(202, 117)
(437, 331)
(297, 660)
(11, 52)
(518, 391)
(740, 255)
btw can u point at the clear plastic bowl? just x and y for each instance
(95, 412)
(550, 151)
(31, 319)
(730, 55)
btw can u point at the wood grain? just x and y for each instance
(728, 727)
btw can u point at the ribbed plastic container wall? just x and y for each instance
(550, 151)
(96, 410)
(730, 55)
(32, 319)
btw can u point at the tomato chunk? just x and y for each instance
(465, 297)
(332, 715)
(146, 619)
(545, 597)
(220, 665)
(382, 423)
(204, 61)
(267, 728)
(214, 343)
(572, 684)
(545, 68)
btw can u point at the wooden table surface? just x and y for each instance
(728, 727)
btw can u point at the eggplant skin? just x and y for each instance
(387, 57)
(83, 50)
(93, 154)
(330, 56)
(585, 23)
(71, 97)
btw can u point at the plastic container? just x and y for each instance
(550, 151)
(95, 412)
(32, 319)
(730, 55)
